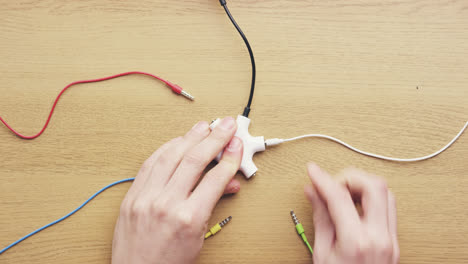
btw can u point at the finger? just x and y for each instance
(374, 197)
(167, 162)
(147, 166)
(392, 226)
(196, 160)
(340, 206)
(210, 189)
(232, 187)
(324, 229)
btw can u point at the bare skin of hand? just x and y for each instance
(164, 217)
(342, 233)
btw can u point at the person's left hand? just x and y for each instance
(163, 218)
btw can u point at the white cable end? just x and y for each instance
(273, 142)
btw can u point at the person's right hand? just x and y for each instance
(342, 234)
(165, 214)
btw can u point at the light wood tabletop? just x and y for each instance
(388, 77)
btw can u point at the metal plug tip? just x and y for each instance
(294, 218)
(187, 95)
(225, 221)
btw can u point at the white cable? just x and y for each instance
(277, 141)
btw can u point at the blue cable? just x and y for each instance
(65, 217)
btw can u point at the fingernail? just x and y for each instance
(200, 126)
(234, 145)
(227, 123)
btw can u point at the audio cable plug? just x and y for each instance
(300, 231)
(174, 87)
(216, 228)
(178, 90)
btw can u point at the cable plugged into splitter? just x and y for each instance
(252, 58)
(276, 141)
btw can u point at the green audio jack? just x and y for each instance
(300, 231)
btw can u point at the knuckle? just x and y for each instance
(202, 129)
(168, 156)
(342, 193)
(185, 220)
(125, 207)
(163, 159)
(136, 209)
(173, 141)
(221, 136)
(159, 210)
(381, 184)
(362, 249)
(227, 166)
(195, 159)
(384, 248)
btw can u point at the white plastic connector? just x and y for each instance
(273, 142)
(251, 144)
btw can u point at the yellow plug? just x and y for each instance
(216, 228)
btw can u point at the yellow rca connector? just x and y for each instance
(216, 228)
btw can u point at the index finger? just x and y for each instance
(340, 205)
(196, 159)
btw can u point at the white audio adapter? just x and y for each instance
(251, 144)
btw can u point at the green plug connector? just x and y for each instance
(300, 231)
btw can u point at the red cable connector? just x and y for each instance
(175, 88)
(178, 90)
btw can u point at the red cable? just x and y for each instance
(177, 89)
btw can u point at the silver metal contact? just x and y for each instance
(225, 221)
(187, 95)
(294, 217)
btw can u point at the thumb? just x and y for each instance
(232, 187)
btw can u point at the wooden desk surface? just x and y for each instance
(387, 76)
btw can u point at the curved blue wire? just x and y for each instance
(65, 217)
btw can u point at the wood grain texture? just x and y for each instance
(386, 76)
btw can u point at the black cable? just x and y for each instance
(252, 59)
